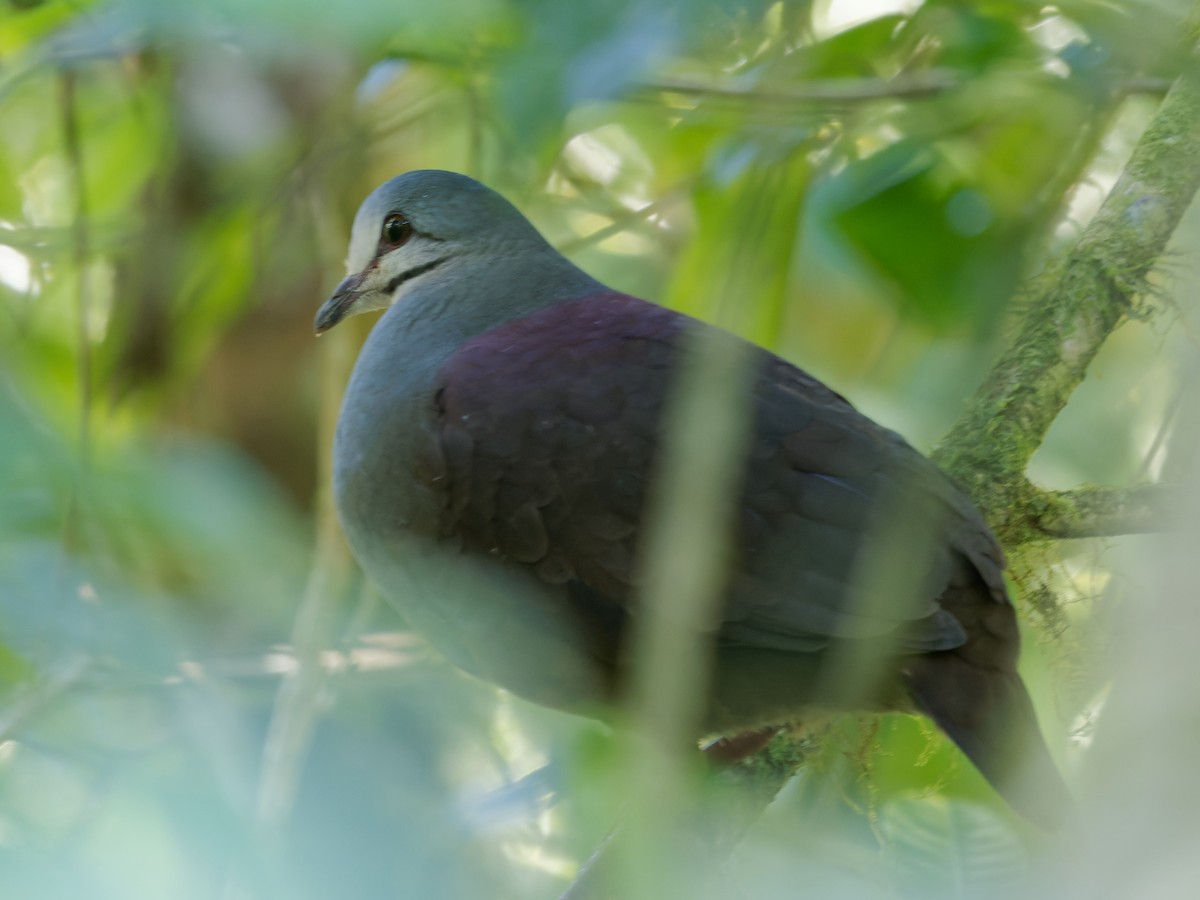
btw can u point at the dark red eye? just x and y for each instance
(396, 229)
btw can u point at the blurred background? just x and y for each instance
(199, 696)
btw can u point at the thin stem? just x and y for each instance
(298, 702)
(852, 90)
(73, 146)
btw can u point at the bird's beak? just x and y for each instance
(338, 306)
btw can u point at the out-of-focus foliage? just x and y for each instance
(869, 183)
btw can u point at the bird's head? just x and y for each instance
(415, 225)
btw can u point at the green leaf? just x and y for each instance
(942, 848)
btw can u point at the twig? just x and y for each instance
(841, 90)
(596, 875)
(619, 225)
(79, 242)
(474, 125)
(46, 241)
(851, 90)
(297, 704)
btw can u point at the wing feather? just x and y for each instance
(548, 429)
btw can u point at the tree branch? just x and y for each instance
(1103, 511)
(1098, 284)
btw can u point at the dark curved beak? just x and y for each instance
(338, 306)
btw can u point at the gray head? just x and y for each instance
(413, 226)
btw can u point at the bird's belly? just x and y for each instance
(502, 625)
(490, 620)
(486, 617)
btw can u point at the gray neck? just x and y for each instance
(468, 297)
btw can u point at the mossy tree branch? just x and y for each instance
(1103, 512)
(1097, 286)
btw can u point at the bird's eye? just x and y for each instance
(396, 229)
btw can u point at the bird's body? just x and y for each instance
(497, 449)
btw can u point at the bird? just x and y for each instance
(495, 455)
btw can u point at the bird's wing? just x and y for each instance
(547, 433)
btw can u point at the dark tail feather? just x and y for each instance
(989, 715)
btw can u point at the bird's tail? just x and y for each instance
(988, 713)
